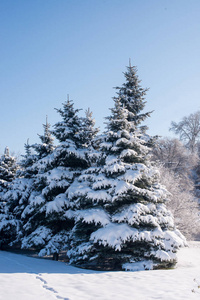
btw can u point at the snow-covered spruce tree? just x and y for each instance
(23, 185)
(29, 167)
(28, 158)
(8, 169)
(132, 96)
(46, 146)
(119, 206)
(88, 131)
(48, 226)
(17, 197)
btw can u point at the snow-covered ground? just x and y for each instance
(27, 278)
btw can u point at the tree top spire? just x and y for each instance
(6, 151)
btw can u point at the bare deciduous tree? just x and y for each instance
(175, 163)
(172, 154)
(182, 203)
(188, 129)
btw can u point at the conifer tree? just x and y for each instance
(27, 161)
(46, 146)
(8, 169)
(18, 195)
(89, 131)
(119, 206)
(132, 97)
(48, 223)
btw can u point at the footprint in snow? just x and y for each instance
(45, 286)
(41, 279)
(59, 297)
(49, 289)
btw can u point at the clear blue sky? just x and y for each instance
(51, 48)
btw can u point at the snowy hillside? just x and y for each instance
(26, 278)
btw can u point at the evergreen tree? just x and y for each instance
(48, 223)
(89, 131)
(132, 97)
(46, 145)
(8, 169)
(27, 161)
(18, 195)
(119, 206)
(17, 198)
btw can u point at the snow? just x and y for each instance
(57, 204)
(127, 153)
(37, 237)
(114, 234)
(93, 216)
(99, 195)
(114, 168)
(30, 278)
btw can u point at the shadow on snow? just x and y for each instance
(16, 263)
